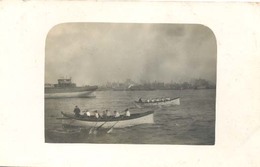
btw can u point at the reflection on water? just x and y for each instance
(192, 122)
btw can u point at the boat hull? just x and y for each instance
(175, 101)
(69, 92)
(134, 119)
(83, 94)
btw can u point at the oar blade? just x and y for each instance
(110, 130)
(90, 131)
(138, 106)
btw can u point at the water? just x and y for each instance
(192, 122)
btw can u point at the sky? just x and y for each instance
(97, 53)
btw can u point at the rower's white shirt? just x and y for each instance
(108, 113)
(96, 115)
(127, 113)
(88, 114)
(117, 114)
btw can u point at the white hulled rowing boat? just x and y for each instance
(119, 122)
(155, 102)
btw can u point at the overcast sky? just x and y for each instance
(94, 53)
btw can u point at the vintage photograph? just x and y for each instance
(130, 83)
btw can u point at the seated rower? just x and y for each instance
(108, 113)
(104, 115)
(101, 114)
(116, 114)
(96, 114)
(127, 113)
(88, 113)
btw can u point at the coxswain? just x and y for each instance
(76, 111)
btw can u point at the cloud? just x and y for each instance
(93, 53)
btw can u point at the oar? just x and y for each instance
(137, 105)
(95, 131)
(111, 129)
(101, 125)
(91, 130)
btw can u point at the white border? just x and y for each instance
(24, 26)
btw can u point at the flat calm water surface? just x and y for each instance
(190, 123)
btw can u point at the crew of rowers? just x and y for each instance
(154, 100)
(104, 114)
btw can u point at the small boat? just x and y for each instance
(155, 102)
(66, 89)
(70, 120)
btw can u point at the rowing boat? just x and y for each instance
(154, 102)
(70, 120)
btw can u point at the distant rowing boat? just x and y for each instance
(120, 122)
(154, 102)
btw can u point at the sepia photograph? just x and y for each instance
(111, 84)
(129, 83)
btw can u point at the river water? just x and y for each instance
(190, 123)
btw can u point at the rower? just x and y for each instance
(100, 114)
(88, 113)
(108, 113)
(96, 114)
(127, 113)
(116, 114)
(104, 115)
